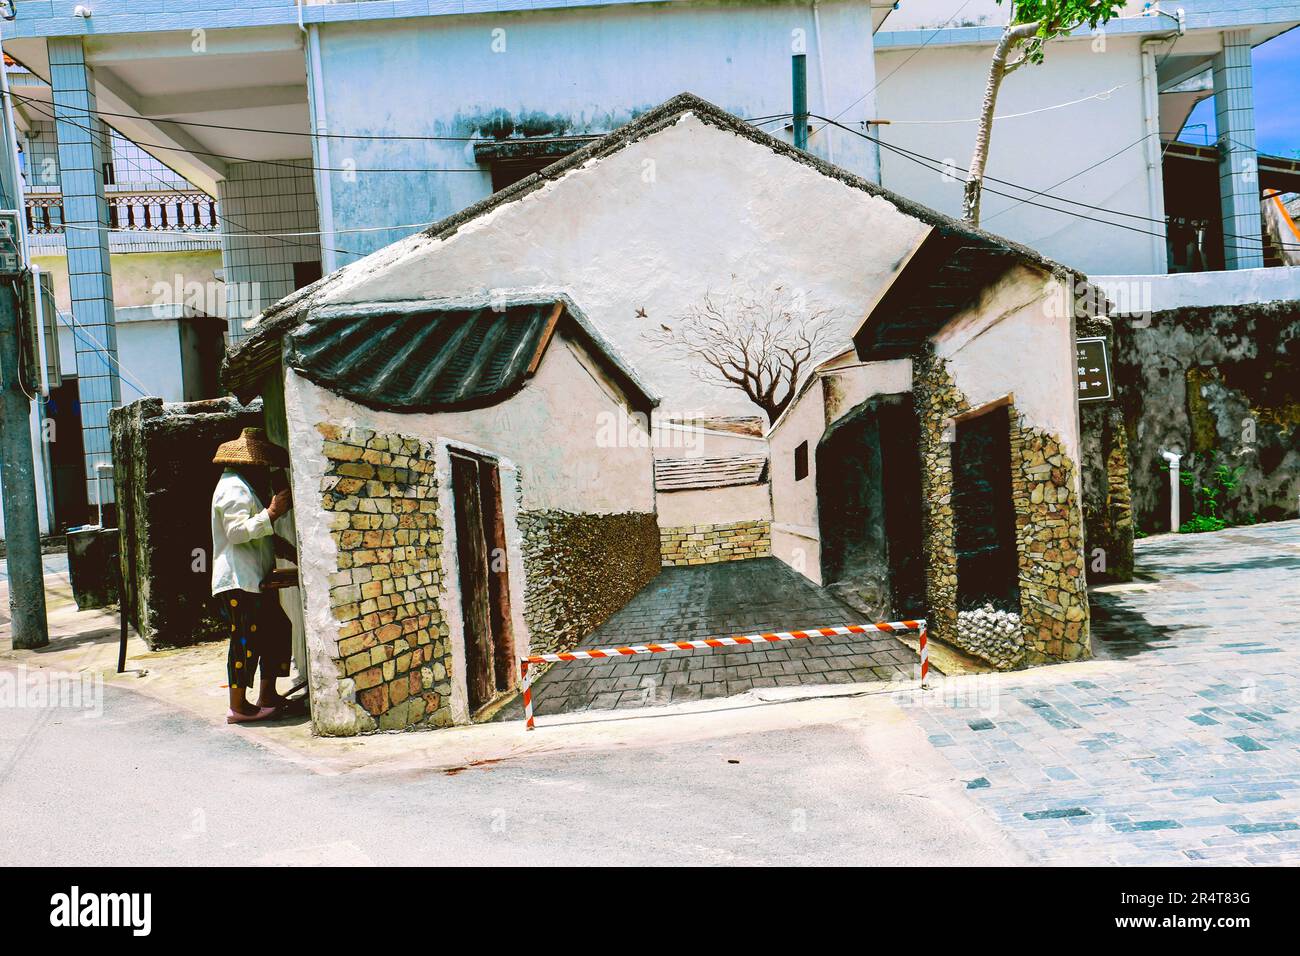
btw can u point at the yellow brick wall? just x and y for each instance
(382, 496)
(711, 543)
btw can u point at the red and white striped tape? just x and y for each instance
(607, 653)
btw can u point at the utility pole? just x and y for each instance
(22, 522)
(799, 96)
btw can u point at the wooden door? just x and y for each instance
(484, 582)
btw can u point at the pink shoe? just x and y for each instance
(235, 717)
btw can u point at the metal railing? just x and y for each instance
(170, 211)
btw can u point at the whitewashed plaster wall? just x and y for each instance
(796, 534)
(651, 227)
(1018, 339)
(699, 506)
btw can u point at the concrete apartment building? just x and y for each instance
(165, 257)
(328, 130)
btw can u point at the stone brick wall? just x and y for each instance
(381, 493)
(580, 569)
(1049, 533)
(1104, 470)
(164, 478)
(711, 543)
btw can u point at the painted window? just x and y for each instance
(801, 461)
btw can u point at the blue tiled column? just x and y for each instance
(82, 142)
(1234, 116)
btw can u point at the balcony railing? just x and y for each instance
(132, 212)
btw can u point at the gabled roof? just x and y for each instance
(260, 348)
(944, 276)
(683, 474)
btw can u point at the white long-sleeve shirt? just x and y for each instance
(242, 550)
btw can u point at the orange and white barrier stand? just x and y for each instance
(608, 653)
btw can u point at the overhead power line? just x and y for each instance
(942, 167)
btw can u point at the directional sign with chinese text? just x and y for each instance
(1093, 370)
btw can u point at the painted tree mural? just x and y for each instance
(758, 341)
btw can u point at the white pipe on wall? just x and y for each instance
(1175, 511)
(821, 76)
(1154, 156)
(321, 145)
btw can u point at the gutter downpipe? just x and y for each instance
(831, 132)
(1154, 152)
(320, 146)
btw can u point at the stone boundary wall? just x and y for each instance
(580, 568)
(393, 646)
(1220, 385)
(714, 543)
(1049, 532)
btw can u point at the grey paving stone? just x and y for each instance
(1183, 750)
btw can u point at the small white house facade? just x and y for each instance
(458, 504)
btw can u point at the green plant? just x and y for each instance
(1208, 498)
(1200, 523)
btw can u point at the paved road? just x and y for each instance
(712, 600)
(144, 785)
(1180, 744)
(1187, 748)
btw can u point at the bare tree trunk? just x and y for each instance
(998, 70)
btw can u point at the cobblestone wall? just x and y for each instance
(1104, 470)
(164, 477)
(1049, 533)
(711, 543)
(393, 646)
(580, 569)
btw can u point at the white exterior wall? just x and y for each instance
(748, 212)
(1135, 294)
(1018, 339)
(148, 354)
(940, 84)
(575, 71)
(699, 506)
(277, 200)
(796, 534)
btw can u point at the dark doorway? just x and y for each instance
(484, 581)
(869, 508)
(984, 513)
(67, 458)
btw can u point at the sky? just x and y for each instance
(1277, 99)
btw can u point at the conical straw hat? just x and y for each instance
(251, 448)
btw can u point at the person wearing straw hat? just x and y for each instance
(243, 555)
